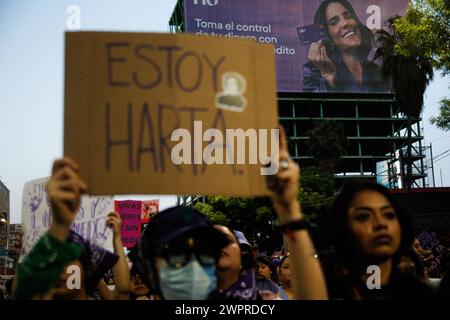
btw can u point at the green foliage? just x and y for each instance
(252, 216)
(215, 217)
(425, 31)
(327, 143)
(442, 121)
(317, 192)
(410, 73)
(256, 217)
(315, 180)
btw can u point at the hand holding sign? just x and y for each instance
(285, 184)
(307, 278)
(64, 190)
(115, 223)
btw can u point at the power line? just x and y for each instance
(440, 155)
(442, 158)
(426, 164)
(441, 138)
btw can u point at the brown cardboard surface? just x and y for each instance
(138, 87)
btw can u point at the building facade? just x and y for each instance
(4, 214)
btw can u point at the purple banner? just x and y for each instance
(320, 46)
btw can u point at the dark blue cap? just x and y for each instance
(174, 222)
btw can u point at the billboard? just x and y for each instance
(320, 46)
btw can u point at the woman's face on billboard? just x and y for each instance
(343, 27)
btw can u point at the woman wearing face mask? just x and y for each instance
(371, 232)
(340, 62)
(179, 252)
(177, 255)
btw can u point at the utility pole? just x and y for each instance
(442, 181)
(432, 165)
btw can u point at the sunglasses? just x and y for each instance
(179, 253)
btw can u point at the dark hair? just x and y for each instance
(280, 265)
(95, 261)
(282, 261)
(366, 35)
(266, 260)
(344, 243)
(418, 265)
(248, 261)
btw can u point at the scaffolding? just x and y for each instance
(375, 129)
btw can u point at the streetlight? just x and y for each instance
(3, 220)
(4, 223)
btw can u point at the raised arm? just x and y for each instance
(121, 270)
(37, 275)
(308, 282)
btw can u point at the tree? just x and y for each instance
(442, 121)
(317, 192)
(425, 31)
(327, 143)
(256, 217)
(215, 217)
(410, 73)
(253, 216)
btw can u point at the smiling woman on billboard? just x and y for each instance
(338, 60)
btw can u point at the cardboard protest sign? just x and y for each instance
(128, 94)
(149, 210)
(130, 213)
(90, 222)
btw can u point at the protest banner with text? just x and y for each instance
(90, 222)
(169, 114)
(130, 214)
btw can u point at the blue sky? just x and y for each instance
(32, 77)
(32, 81)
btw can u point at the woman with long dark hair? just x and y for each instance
(371, 232)
(339, 63)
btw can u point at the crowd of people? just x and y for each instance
(183, 256)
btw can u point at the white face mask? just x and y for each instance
(191, 282)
